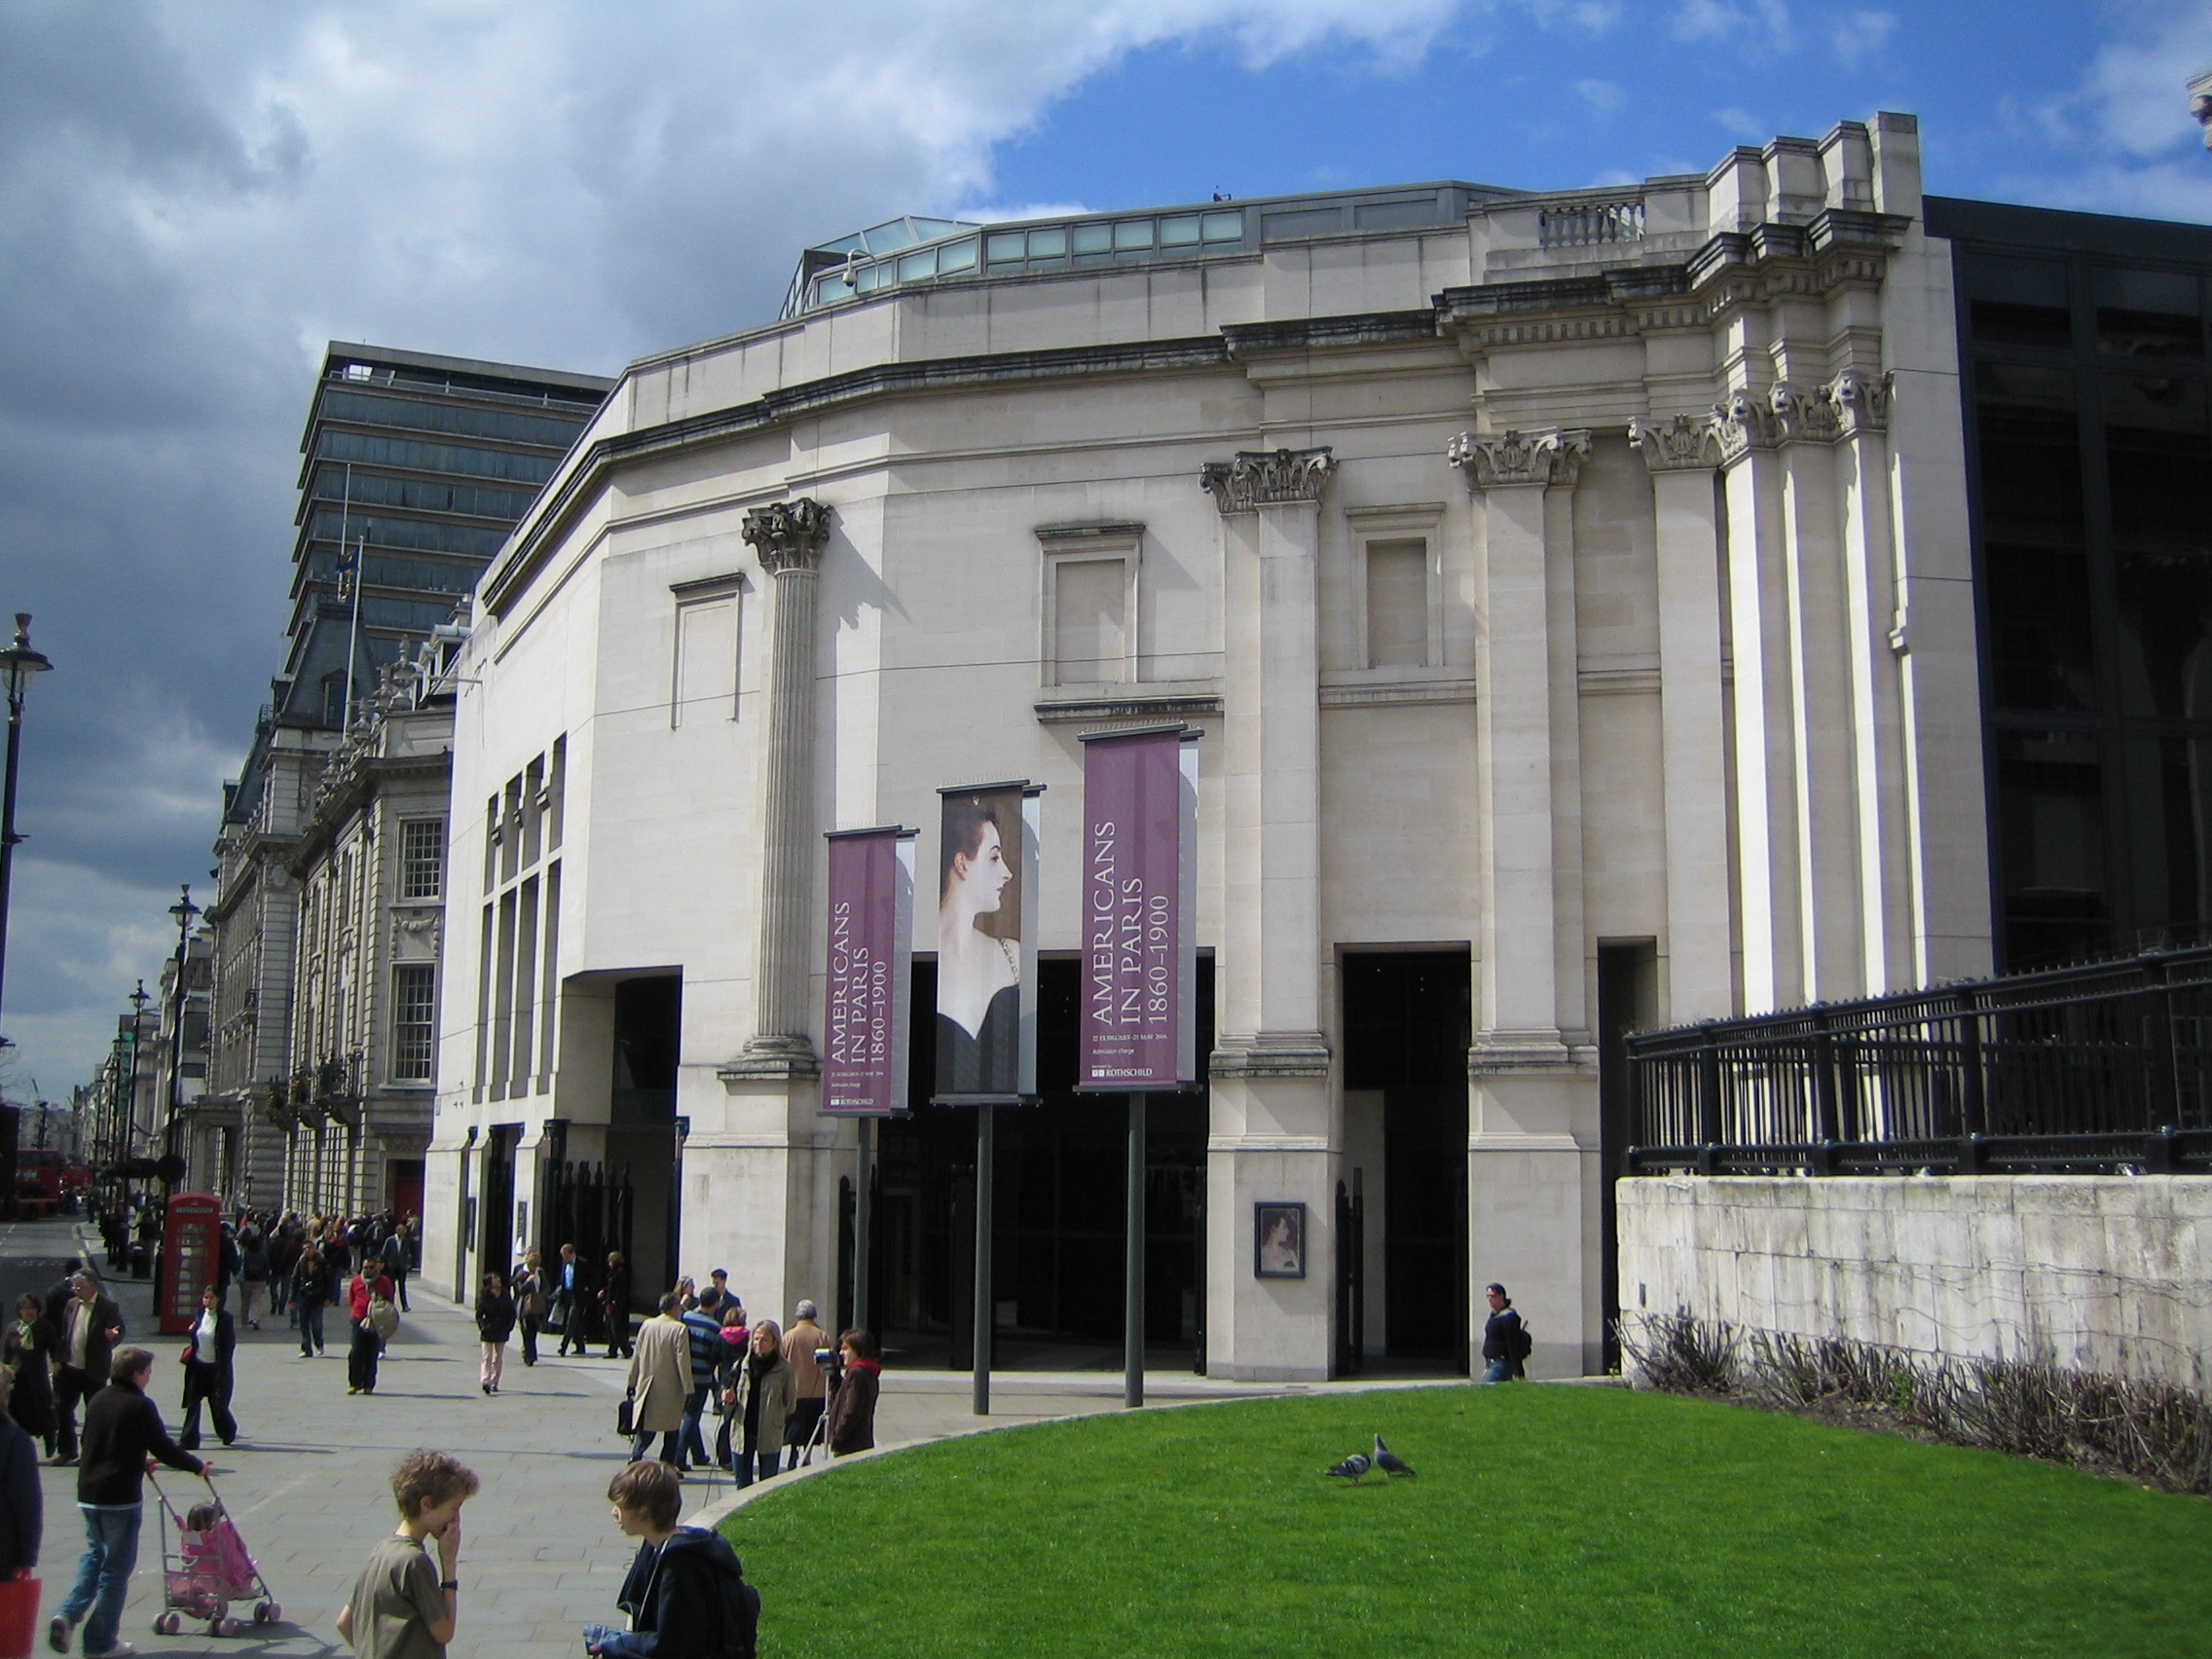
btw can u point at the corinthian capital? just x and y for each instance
(1265, 478)
(1862, 406)
(1495, 460)
(1744, 421)
(788, 536)
(1802, 417)
(1685, 443)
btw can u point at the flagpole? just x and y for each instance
(353, 629)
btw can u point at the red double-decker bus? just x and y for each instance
(46, 1182)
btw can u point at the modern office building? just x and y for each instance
(414, 468)
(1573, 594)
(2090, 454)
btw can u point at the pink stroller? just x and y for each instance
(207, 1570)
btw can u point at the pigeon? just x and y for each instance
(1389, 1461)
(1352, 1468)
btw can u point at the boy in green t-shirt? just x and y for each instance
(402, 1606)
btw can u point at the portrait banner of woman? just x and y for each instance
(986, 943)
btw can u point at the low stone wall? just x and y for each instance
(2088, 1273)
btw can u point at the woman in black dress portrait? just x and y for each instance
(978, 967)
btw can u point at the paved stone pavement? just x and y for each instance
(307, 1483)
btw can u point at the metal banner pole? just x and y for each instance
(985, 1146)
(864, 1187)
(1132, 1292)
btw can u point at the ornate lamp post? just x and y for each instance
(18, 664)
(184, 912)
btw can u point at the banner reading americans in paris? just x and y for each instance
(1139, 1009)
(869, 984)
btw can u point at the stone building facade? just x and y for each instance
(368, 868)
(1573, 594)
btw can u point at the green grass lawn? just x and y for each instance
(1544, 1520)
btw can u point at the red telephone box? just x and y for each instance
(192, 1244)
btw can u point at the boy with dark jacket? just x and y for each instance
(686, 1595)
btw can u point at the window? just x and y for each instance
(421, 858)
(414, 1022)
(1089, 603)
(705, 677)
(1397, 604)
(1396, 597)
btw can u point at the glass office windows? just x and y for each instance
(2159, 460)
(2017, 301)
(956, 256)
(1224, 227)
(2040, 640)
(2172, 839)
(1051, 244)
(1180, 231)
(1132, 236)
(2031, 456)
(434, 457)
(2050, 844)
(414, 1022)
(2149, 313)
(373, 410)
(1091, 239)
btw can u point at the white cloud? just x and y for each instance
(1756, 25)
(1600, 95)
(1862, 35)
(194, 198)
(1740, 125)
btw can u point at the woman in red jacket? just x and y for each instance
(369, 1284)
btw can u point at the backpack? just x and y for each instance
(741, 1618)
(1519, 1342)
(383, 1317)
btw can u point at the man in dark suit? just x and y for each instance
(87, 1329)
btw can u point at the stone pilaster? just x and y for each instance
(1533, 1129)
(1766, 776)
(1270, 1135)
(1684, 452)
(1882, 827)
(788, 537)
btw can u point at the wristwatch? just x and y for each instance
(449, 1584)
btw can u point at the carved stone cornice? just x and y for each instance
(1271, 1054)
(1683, 443)
(1267, 478)
(1498, 461)
(1862, 405)
(788, 536)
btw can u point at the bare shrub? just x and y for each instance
(2155, 1432)
(1679, 1353)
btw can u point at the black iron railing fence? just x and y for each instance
(2098, 1069)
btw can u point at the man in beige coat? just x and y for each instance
(809, 1387)
(660, 1379)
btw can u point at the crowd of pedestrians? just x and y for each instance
(779, 1395)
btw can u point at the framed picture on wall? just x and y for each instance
(1279, 1240)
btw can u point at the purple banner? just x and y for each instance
(868, 987)
(1139, 948)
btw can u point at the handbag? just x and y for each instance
(19, 1617)
(625, 1422)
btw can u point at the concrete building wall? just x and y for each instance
(2087, 1273)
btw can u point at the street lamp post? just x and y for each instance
(18, 663)
(183, 912)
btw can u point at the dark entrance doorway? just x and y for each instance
(1406, 1034)
(1628, 1000)
(1057, 1209)
(495, 1215)
(642, 1148)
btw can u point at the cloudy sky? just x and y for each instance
(194, 198)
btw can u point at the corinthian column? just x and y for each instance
(1532, 1095)
(1270, 1134)
(1683, 453)
(787, 538)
